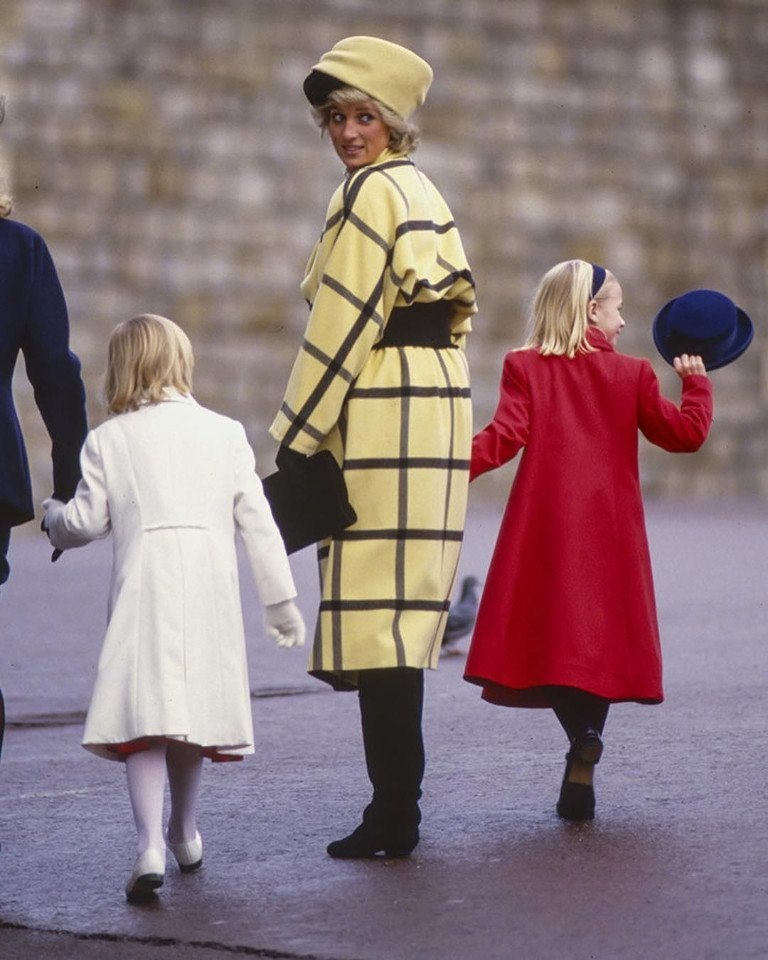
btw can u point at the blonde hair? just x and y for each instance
(6, 203)
(147, 354)
(403, 135)
(558, 322)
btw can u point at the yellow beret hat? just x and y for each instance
(386, 71)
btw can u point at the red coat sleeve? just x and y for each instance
(507, 432)
(680, 429)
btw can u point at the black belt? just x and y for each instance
(420, 325)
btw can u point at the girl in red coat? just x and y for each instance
(568, 617)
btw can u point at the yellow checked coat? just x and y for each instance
(398, 419)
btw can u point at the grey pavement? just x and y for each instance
(674, 865)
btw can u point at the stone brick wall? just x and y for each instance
(164, 149)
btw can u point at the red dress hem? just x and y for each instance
(124, 750)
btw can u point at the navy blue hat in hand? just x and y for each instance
(704, 323)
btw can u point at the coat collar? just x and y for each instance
(597, 339)
(170, 395)
(175, 396)
(384, 157)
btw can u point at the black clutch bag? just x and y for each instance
(308, 498)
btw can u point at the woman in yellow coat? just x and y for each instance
(381, 380)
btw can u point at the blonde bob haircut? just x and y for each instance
(558, 321)
(403, 135)
(147, 355)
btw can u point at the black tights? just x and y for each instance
(391, 702)
(578, 710)
(5, 537)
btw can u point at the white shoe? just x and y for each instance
(189, 856)
(148, 874)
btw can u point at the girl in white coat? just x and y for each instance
(173, 482)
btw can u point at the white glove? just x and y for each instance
(55, 525)
(284, 624)
(52, 509)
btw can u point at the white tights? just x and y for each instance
(146, 772)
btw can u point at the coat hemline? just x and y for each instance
(345, 681)
(536, 696)
(107, 750)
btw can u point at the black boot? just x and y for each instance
(391, 702)
(378, 833)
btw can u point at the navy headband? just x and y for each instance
(598, 279)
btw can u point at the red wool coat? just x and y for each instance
(569, 597)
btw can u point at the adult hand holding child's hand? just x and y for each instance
(52, 508)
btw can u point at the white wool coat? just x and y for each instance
(173, 482)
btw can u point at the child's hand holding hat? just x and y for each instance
(702, 323)
(688, 366)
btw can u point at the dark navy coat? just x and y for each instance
(33, 321)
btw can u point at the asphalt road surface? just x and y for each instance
(674, 865)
